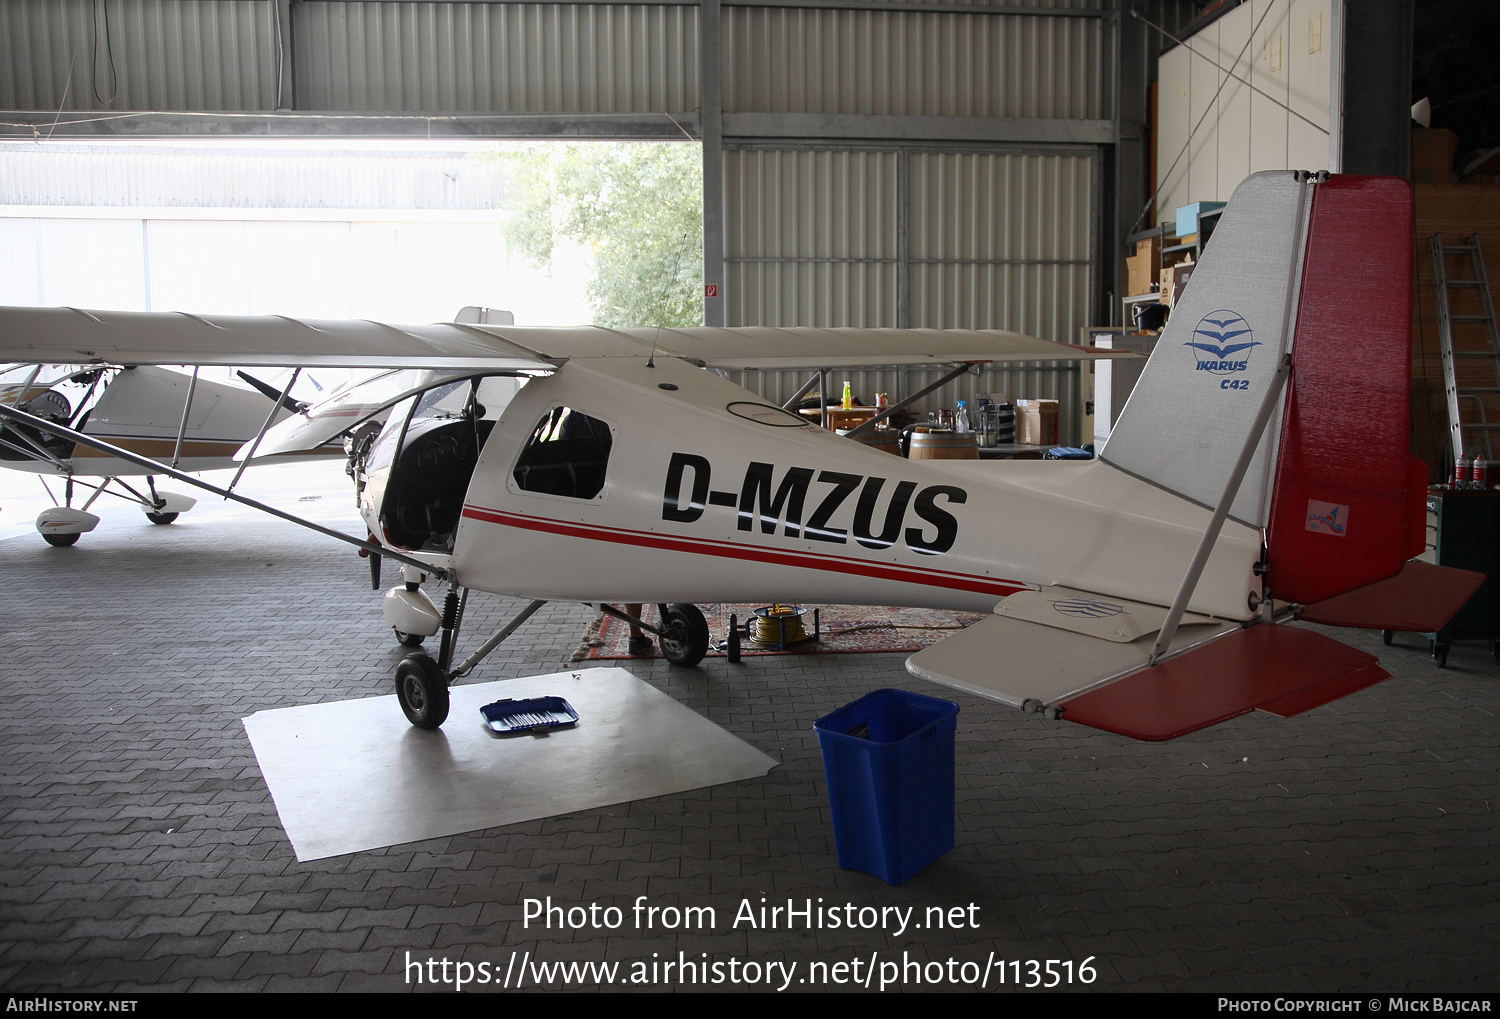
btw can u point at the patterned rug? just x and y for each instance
(843, 629)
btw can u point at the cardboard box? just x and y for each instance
(1141, 267)
(1036, 422)
(1140, 271)
(1173, 280)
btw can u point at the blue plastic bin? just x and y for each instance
(888, 758)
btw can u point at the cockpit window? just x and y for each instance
(566, 455)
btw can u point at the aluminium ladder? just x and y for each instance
(1485, 397)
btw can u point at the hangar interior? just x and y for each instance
(943, 165)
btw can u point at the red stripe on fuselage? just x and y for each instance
(730, 550)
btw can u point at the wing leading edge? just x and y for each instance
(71, 336)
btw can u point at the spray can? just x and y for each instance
(1480, 473)
(1463, 472)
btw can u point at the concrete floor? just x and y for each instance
(1353, 848)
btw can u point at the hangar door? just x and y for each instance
(910, 235)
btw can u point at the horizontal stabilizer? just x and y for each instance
(1015, 660)
(1422, 597)
(1281, 669)
(1113, 619)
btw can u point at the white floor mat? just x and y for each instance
(354, 775)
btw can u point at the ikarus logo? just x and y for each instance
(1221, 344)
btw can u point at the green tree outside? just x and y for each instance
(636, 206)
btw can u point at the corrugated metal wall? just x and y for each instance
(549, 58)
(138, 55)
(974, 239)
(781, 60)
(1001, 241)
(810, 237)
(971, 238)
(390, 55)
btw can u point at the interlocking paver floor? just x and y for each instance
(1353, 848)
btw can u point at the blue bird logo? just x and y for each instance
(1218, 338)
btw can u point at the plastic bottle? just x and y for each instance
(848, 396)
(961, 418)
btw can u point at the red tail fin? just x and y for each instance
(1341, 510)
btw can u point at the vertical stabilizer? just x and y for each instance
(1192, 411)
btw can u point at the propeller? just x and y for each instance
(271, 393)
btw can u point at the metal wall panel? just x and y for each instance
(810, 237)
(490, 57)
(138, 55)
(1001, 241)
(115, 176)
(1240, 130)
(781, 60)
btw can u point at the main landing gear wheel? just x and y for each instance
(161, 518)
(1440, 654)
(422, 691)
(1385, 637)
(60, 540)
(408, 639)
(684, 638)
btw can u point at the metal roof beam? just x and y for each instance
(878, 127)
(32, 124)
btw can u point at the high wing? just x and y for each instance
(71, 335)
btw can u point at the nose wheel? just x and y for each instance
(422, 691)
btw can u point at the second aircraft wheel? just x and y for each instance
(60, 540)
(1385, 637)
(161, 518)
(685, 638)
(422, 691)
(408, 639)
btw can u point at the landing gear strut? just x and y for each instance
(422, 682)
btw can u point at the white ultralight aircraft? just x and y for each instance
(190, 423)
(1258, 473)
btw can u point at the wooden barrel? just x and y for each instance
(887, 440)
(929, 445)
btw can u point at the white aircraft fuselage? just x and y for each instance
(711, 494)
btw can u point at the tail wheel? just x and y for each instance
(684, 638)
(161, 518)
(60, 540)
(422, 691)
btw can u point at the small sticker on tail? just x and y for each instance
(1327, 517)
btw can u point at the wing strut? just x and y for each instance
(865, 426)
(156, 466)
(186, 409)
